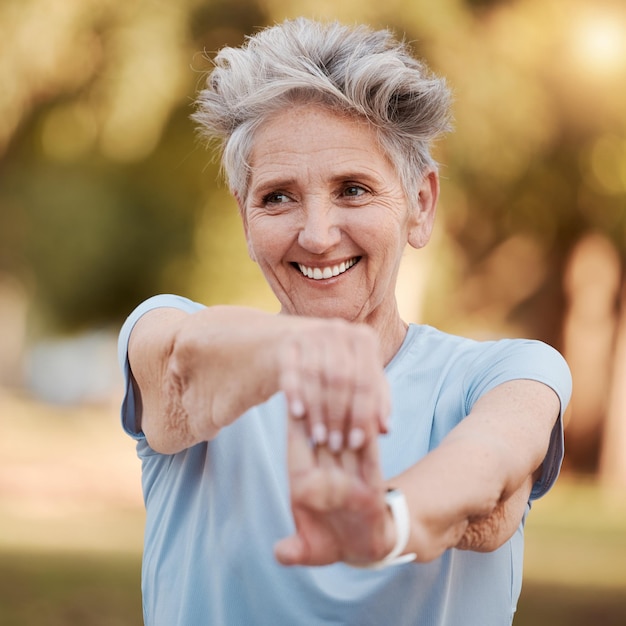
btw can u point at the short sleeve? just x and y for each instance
(129, 420)
(515, 359)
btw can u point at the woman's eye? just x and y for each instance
(353, 191)
(276, 198)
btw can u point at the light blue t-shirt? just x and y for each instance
(214, 511)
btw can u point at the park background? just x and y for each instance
(108, 197)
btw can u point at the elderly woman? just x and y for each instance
(390, 465)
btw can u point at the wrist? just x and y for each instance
(397, 532)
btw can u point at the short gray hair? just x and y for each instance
(352, 70)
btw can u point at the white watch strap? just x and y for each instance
(400, 511)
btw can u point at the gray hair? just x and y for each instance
(352, 70)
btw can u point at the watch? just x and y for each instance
(400, 511)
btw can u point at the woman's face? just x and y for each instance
(326, 217)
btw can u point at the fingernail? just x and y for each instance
(319, 433)
(297, 408)
(356, 438)
(335, 440)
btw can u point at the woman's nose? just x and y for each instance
(320, 230)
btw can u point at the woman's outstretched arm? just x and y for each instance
(196, 373)
(470, 493)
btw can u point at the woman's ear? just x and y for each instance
(423, 215)
(242, 214)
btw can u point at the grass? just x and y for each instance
(71, 517)
(71, 523)
(577, 537)
(66, 589)
(559, 605)
(575, 558)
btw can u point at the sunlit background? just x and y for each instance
(107, 197)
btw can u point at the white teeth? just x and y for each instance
(319, 273)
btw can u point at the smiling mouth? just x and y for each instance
(330, 271)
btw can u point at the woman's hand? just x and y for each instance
(338, 402)
(338, 504)
(332, 375)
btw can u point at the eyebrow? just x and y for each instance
(349, 175)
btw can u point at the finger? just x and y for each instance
(368, 398)
(350, 463)
(331, 480)
(291, 550)
(369, 465)
(289, 379)
(339, 480)
(309, 372)
(326, 460)
(300, 454)
(384, 412)
(338, 388)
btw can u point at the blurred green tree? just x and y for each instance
(102, 181)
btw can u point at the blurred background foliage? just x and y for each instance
(107, 197)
